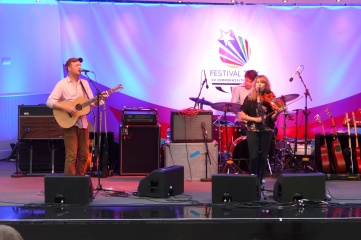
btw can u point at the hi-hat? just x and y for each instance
(226, 107)
(287, 98)
(201, 101)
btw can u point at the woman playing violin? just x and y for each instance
(260, 116)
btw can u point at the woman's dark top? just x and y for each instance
(251, 108)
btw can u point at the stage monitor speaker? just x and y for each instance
(291, 187)
(234, 188)
(40, 155)
(37, 122)
(185, 129)
(139, 149)
(163, 182)
(68, 189)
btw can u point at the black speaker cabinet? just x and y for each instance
(163, 182)
(234, 188)
(290, 187)
(37, 122)
(41, 156)
(187, 129)
(139, 149)
(68, 189)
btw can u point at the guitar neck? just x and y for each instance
(332, 122)
(355, 128)
(323, 133)
(108, 92)
(334, 130)
(348, 130)
(87, 103)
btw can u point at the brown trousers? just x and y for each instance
(76, 142)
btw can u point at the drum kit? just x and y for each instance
(232, 146)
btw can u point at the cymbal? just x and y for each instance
(226, 107)
(289, 97)
(224, 122)
(201, 101)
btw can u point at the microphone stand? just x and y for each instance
(200, 91)
(17, 174)
(207, 157)
(296, 137)
(305, 160)
(97, 143)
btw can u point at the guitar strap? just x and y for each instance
(82, 86)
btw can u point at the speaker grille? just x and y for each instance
(139, 149)
(37, 122)
(189, 129)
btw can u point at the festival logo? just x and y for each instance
(234, 52)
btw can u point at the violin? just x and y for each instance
(275, 103)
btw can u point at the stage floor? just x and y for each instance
(22, 206)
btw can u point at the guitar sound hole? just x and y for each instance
(78, 107)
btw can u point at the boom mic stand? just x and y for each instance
(305, 163)
(200, 91)
(97, 143)
(282, 161)
(207, 157)
(296, 137)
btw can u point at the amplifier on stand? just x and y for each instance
(37, 122)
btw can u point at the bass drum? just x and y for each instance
(239, 151)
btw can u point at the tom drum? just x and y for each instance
(225, 136)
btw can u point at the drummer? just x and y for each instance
(239, 93)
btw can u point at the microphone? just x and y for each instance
(86, 71)
(291, 79)
(203, 125)
(205, 79)
(205, 135)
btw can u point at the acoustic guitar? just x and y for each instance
(325, 160)
(67, 120)
(90, 163)
(348, 151)
(357, 149)
(338, 159)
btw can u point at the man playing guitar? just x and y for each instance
(76, 137)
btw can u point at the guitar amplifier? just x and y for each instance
(37, 122)
(189, 130)
(139, 116)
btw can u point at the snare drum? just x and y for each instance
(239, 151)
(225, 135)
